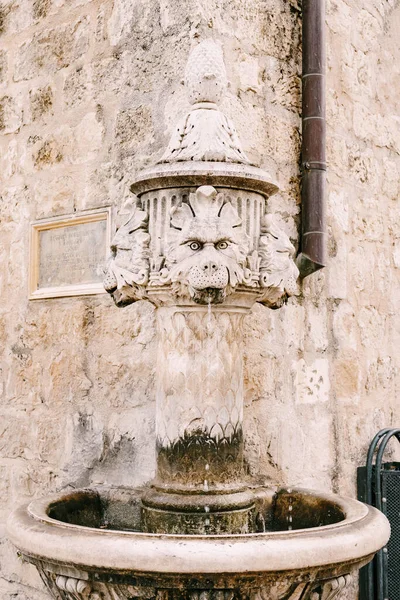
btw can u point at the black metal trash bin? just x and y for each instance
(379, 484)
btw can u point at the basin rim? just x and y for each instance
(358, 536)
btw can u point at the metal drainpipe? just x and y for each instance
(313, 162)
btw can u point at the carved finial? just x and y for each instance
(205, 133)
(205, 75)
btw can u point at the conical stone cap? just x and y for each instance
(204, 148)
(205, 133)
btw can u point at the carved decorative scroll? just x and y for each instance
(331, 589)
(278, 271)
(128, 269)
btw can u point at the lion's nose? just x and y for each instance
(209, 266)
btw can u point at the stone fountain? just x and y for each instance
(196, 241)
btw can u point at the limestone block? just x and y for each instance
(361, 266)
(40, 9)
(77, 86)
(338, 206)
(372, 327)
(364, 167)
(41, 102)
(311, 381)
(393, 221)
(249, 73)
(345, 326)
(17, 436)
(396, 255)
(130, 18)
(301, 460)
(339, 13)
(337, 272)
(281, 30)
(4, 481)
(364, 122)
(286, 201)
(316, 327)
(47, 154)
(53, 50)
(14, 208)
(88, 138)
(337, 153)
(368, 224)
(11, 114)
(338, 110)
(15, 16)
(127, 459)
(282, 83)
(347, 378)
(390, 179)
(367, 30)
(3, 66)
(381, 374)
(134, 126)
(114, 73)
(276, 130)
(101, 186)
(11, 159)
(54, 195)
(290, 326)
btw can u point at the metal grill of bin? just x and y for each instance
(391, 493)
(379, 484)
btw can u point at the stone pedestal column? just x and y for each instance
(200, 472)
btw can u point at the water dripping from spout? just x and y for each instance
(208, 345)
(207, 519)
(290, 511)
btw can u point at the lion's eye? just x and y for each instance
(222, 245)
(194, 246)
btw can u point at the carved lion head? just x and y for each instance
(207, 247)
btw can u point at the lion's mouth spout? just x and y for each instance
(208, 295)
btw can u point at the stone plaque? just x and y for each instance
(68, 255)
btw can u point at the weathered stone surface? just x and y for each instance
(11, 114)
(3, 66)
(51, 50)
(41, 102)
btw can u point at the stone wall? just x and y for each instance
(89, 92)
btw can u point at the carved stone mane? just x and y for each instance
(278, 271)
(128, 268)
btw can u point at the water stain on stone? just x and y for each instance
(184, 461)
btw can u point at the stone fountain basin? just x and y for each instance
(92, 534)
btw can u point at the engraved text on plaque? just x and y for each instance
(68, 255)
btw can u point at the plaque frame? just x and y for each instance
(84, 289)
